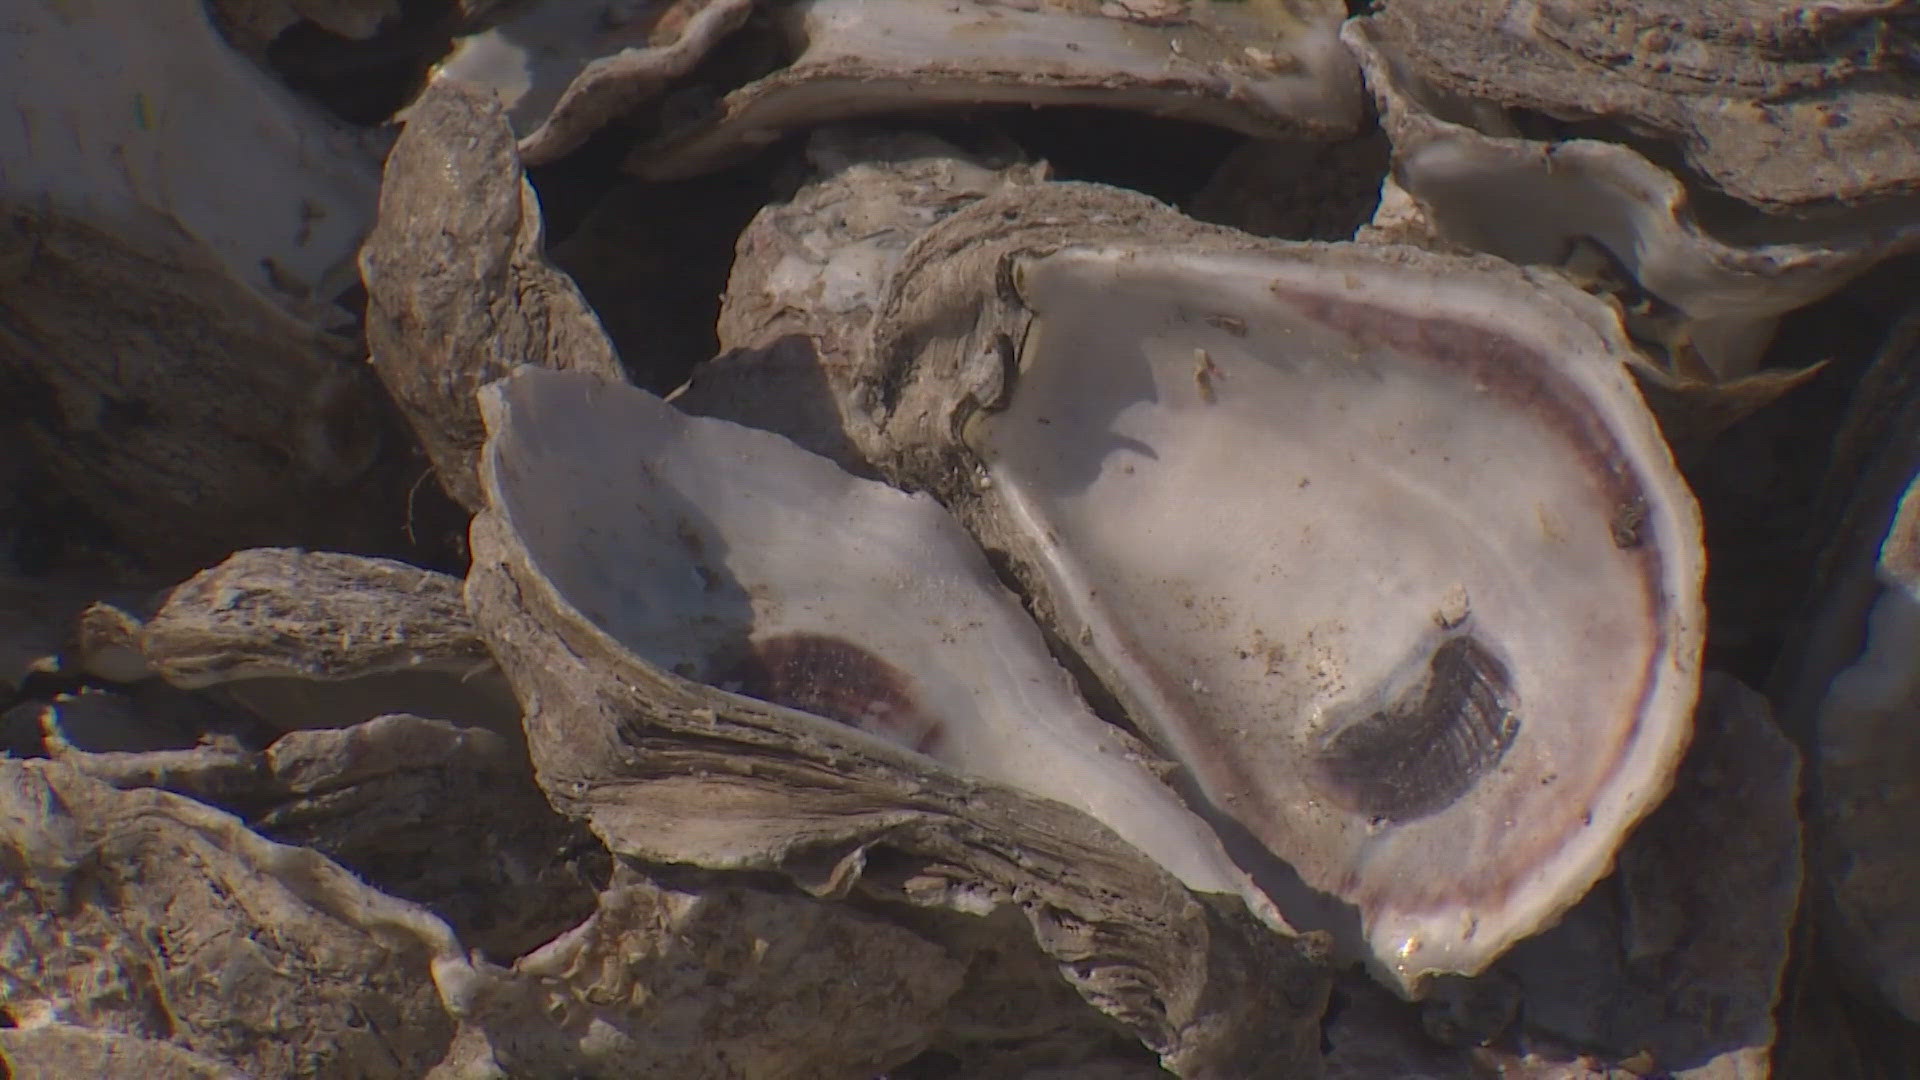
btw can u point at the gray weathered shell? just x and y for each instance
(957, 392)
(1851, 688)
(1547, 202)
(1780, 103)
(1267, 69)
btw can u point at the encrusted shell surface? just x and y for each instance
(1382, 546)
(1550, 202)
(1851, 689)
(732, 557)
(1781, 103)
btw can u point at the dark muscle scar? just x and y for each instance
(1419, 754)
(835, 678)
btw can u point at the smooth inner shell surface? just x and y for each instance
(1405, 576)
(731, 557)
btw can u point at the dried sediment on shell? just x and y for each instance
(1781, 103)
(1383, 546)
(1548, 203)
(1268, 69)
(669, 771)
(562, 69)
(1851, 692)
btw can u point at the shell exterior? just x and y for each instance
(1382, 546)
(1267, 69)
(1543, 202)
(563, 69)
(1851, 690)
(873, 608)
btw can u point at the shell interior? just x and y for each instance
(1399, 568)
(732, 557)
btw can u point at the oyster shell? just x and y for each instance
(873, 609)
(1781, 103)
(1852, 690)
(1383, 546)
(1270, 68)
(1550, 202)
(168, 287)
(667, 771)
(147, 913)
(564, 68)
(458, 219)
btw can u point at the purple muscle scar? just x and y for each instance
(832, 677)
(1417, 755)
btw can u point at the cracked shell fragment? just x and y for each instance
(1383, 546)
(733, 558)
(1270, 68)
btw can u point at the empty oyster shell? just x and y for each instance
(1781, 103)
(669, 771)
(564, 68)
(1383, 546)
(168, 286)
(1546, 203)
(1269, 69)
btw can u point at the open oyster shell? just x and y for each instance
(1382, 546)
(874, 608)
(1712, 296)
(669, 771)
(1269, 68)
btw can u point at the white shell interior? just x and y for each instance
(731, 556)
(1270, 494)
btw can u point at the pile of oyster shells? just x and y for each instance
(575, 538)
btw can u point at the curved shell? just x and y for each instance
(733, 558)
(1540, 202)
(1780, 103)
(1382, 546)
